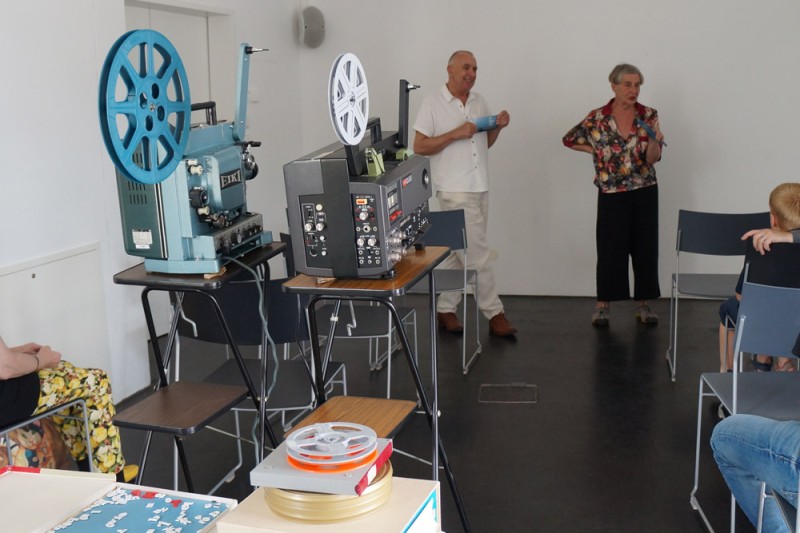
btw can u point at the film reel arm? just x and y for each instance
(402, 128)
(240, 118)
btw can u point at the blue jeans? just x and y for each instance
(751, 449)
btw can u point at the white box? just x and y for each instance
(413, 507)
(37, 500)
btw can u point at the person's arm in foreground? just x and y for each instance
(21, 360)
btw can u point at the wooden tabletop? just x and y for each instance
(383, 416)
(409, 271)
(137, 275)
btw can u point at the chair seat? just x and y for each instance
(292, 388)
(182, 408)
(446, 280)
(383, 416)
(707, 285)
(775, 395)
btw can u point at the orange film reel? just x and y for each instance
(333, 468)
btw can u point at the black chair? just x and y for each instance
(184, 407)
(768, 324)
(289, 378)
(448, 228)
(361, 321)
(712, 234)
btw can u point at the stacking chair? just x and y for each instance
(788, 511)
(715, 234)
(289, 379)
(448, 228)
(185, 407)
(350, 320)
(4, 432)
(768, 324)
(354, 321)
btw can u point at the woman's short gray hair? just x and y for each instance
(624, 68)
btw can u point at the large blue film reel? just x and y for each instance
(144, 105)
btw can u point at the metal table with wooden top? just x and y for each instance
(414, 267)
(182, 404)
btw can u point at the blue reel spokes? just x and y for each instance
(144, 106)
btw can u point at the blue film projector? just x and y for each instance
(182, 187)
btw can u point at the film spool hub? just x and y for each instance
(331, 447)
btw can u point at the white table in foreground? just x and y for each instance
(37, 500)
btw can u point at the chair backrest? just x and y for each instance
(239, 302)
(448, 228)
(780, 267)
(769, 320)
(716, 233)
(288, 254)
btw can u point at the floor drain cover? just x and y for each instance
(508, 393)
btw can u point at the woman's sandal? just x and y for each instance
(762, 366)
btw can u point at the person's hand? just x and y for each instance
(657, 129)
(465, 131)
(503, 119)
(48, 358)
(28, 347)
(763, 238)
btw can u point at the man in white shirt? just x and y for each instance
(447, 132)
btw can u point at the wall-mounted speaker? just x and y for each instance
(312, 27)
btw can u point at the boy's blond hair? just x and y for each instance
(784, 204)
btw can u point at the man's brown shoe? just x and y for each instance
(499, 326)
(450, 322)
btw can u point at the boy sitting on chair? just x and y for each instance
(784, 214)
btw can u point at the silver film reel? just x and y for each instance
(348, 99)
(332, 443)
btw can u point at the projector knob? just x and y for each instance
(308, 226)
(198, 197)
(320, 226)
(363, 215)
(372, 241)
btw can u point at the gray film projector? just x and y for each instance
(355, 208)
(182, 187)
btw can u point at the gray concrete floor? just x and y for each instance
(607, 446)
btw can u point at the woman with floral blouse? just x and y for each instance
(625, 140)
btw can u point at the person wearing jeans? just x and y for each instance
(750, 449)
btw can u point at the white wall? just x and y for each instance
(58, 188)
(722, 73)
